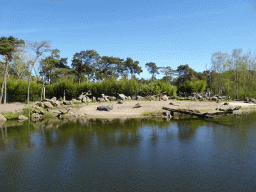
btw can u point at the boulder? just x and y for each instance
(138, 105)
(218, 101)
(237, 108)
(22, 117)
(226, 104)
(47, 104)
(214, 98)
(54, 99)
(237, 112)
(2, 118)
(122, 96)
(67, 102)
(112, 98)
(134, 97)
(165, 98)
(35, 116)
(193, 99)
(88, 100)
(120, 102)
(83, 99)
(40, 104)
(102, 95)
(94, 99)
(105, 108)
(139, 97)
(230, 109)
(166, 114)
(55, 103)
(171, 103)
(129, 98)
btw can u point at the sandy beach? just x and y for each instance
(127, 108)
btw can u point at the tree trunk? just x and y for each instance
(42, 89)
(4, 80)
(5, 89)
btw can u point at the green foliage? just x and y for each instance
(10, 115)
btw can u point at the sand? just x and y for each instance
(127, 108)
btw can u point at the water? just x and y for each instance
(129, 155)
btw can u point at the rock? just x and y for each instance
(218, 101)
(139, 97)
(55, 103)
(230, 109)
(237, 108)
(105, 98)
(112, 98)
(2, 118)
(83, 99)
(226, 104)
(129, 98)
(120, 102)
(22, 117)
(105, 108)
(88, 100)
(193, 99)
(167, 114)
(102, 95)
(237, 112)
(40, 104)
(122, 96)
(54, 99)
(201, 98)
(94, 99)
(171, 103)
(47, 104)
(39, 110)
(137, 105)
(165, 98)
(220, 109)
(35, 116)
(67, 102)
(214, 98)
(134, 97)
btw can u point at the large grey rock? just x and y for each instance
(55, 102)
(193, 99)
(165, 98)
(22, 117)
(120, 102)
(226, 104)
(36, 116)
(122, 96)
(105, 108)
(138, 105)
(67, 102)
(112, 98)
(2, 118)
(237, 112)
(47, 104)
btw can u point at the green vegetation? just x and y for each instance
(150, 113)
(10, 115)
(232, 75)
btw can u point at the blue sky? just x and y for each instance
(167, 32)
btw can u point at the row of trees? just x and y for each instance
(232, 75)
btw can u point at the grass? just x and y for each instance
(150, 113)
(10, 115)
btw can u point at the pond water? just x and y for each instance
(129, 155)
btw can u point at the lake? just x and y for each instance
(129, 155)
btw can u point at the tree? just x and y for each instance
(132, 67)
(8, 46)
(236, 54)
(152, 69)
(219, 61)
(19, 65)
(109, 67)
(185, 74)
(39, 48)
(85, 63)
(168, 73)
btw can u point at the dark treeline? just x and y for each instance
(26, 71)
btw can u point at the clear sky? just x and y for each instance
(166, 32)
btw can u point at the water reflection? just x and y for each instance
(146, 154)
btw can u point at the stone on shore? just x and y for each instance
(22, 117)
(2, 118)
(138, 105)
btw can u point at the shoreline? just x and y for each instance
(127, 110)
